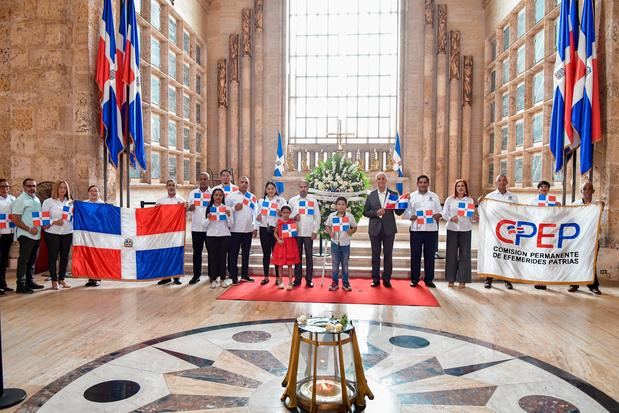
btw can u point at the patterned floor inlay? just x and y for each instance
(239, 368)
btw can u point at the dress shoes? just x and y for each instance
(387, 284)
(34, 286)
(509, 285)
(177, 281)
(308, 284)
(24, 290)
(414, 284)
(375, 284)
(164, 281)
(247, 278)
(6, 289)
(595, 290)
(429, 284)
(573, 288)
(194, 280)
(488, 284)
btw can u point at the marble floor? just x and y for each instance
(146, 348)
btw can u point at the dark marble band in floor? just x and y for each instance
(478, 396)
(185, 402)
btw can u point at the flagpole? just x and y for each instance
(121, 160)
(564, 168)
(104, 172)
(574, 175)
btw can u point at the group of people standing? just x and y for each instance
(226, 217)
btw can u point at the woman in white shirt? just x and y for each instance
(93, 198)
(459, 212)
(219, 219)
(266, 222)
(59, 235)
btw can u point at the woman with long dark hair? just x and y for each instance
(219, 219)
(266, 222)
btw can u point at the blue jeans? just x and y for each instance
(339, 256)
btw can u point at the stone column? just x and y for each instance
(245, 141)
(233, 143)
(428, 90)
(467, 107)
(454, 145)
(440, 178)
(222, 105)
(257, 96)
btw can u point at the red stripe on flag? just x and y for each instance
(96, 263)
(160, 219)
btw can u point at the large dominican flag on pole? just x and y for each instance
(586, 105)
(110, 242)
(397, 163)
(132, 78)
(561, 122)
(279, 164)
(106, 78)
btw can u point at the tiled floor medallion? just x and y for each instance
(239, 368)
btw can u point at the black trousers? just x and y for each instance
(239, 241)
(307, 244)
(198, 241)
(28, 249)
(217, 252)
(386, 241)
(267, 242)
(6, 240)
(426, 241)
(458, 265)
(58, 246)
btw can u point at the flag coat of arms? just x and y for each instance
(466, 209)
(397, 163)
(5, 221)
(341, 224)
(289, 230)
(424, 216)
(250, 200)
(280, 161)
(395, 202)
(218, 213)
(41, 219)
(67, 213)
(306, 207)
(546, 200)
(110, 242)
(201, 199)
(269, 208)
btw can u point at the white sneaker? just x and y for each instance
(215, 283)
(226, 283)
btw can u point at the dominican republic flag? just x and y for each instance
(341, 224)
(67, 213)
(586, 104)
(201, 199)
(306, 207)
(106, 78)
(512, 229)
(289, 230)
(546, 200)
(218, 213)
(250, 200)
(132, 80)
(228, 189)
(561, 134)
(269, 208)
(424, 216)
(397, 163)
(279, 164)
(397, 202)
(128, 243)
(41, 219)
(5, 221)
(466, 209)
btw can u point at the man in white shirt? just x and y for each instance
(501, 194)
(587, 191)
(170, 199)
(6, 232)
(308, 224)
(226, 184)
(244, 204)
(198, 231)
(424, 210)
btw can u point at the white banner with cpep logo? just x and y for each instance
(532, 244)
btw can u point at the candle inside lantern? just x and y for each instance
(327, 388)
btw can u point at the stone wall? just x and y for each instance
(49, 116)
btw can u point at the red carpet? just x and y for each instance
(362, 293)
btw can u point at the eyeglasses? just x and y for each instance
(30, 186)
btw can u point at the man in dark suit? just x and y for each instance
(382, 229)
